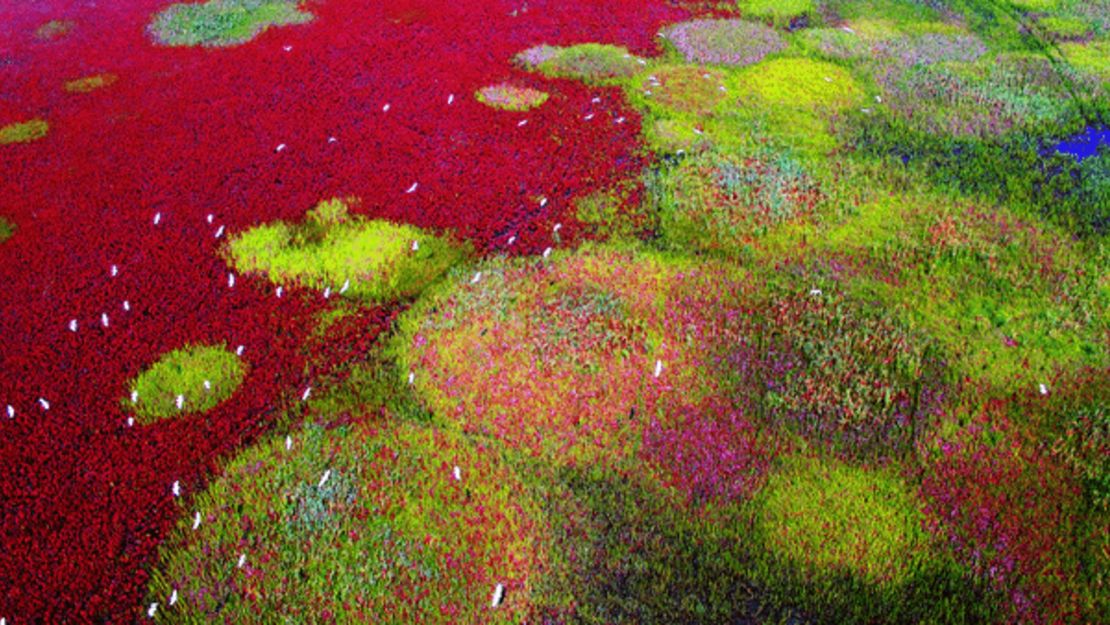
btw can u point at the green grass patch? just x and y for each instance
(781, 12)
(90, 83)
(202, 376)
(223, 22)
(371, 260)
(386, 523)
(24, 132)
(511, 98)
(7, 229)
(590, 62)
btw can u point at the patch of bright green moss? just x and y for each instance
(373, 260)
(24, 132)
(356, 522)
(780, 11)
(223, 22)
(589, 62)
(203, 375)
(1064, 28)
(90, 83)
(511, 98)
(830, 518)
(7, 229)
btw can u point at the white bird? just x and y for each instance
(157, 218)
(588, 117)
(1044, 390)
(210, 217)
(280, 290)
(476, 278)
(815, 292)
(327, 292)
(219, 232)
(415, 245)
(306, 393)
(242, 560)
(511, 239)
(127, 305)
(11, 412)
(346, 285)
(239, 351)
(647, 92)
(457, 473)
(130, 421)
(596, 100)
(547, 252)
(620, 120)
(827, 79)
(450, 99)
(324, 479)
(176, 488)
(45, 404)
(698, 131)
(153, 608)
(658, 368)
(413, 187)
(332, 139)
(230, 280)
(641, 61)
(722, 89)
(879, 99)
(72, 325)
(280, 147)
(104, 319)
(543, 202)
(196, 521)
(521, 123)
(180, 402)
(173, 597)
(287, 48)
(385, 109)
(557, 227)
(498, 595)
(207, 385)
(412, 378)
(288, 442)
(114, 271)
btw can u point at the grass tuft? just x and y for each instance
(24, 132)
(223, 22)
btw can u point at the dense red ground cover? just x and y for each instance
(188, 132)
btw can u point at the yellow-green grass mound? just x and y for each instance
(366, 523)
(589, 62)
(189, 380)
(7, 229)
(223, 22)
(567, 359)
(24, 132)
(782, 12)
(90, 83)
(510, 97)
(54, 29)
(372, 260)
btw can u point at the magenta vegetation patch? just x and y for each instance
(555, 312)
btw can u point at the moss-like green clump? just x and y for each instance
(356, 524)
(830, 518)
(189, 380)
(782, 12)
(24, 132)
(90, 83)
(223, 22)
(589, 62)
(54, 29)
(511, 98)
(373, 260)
(7, 229)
